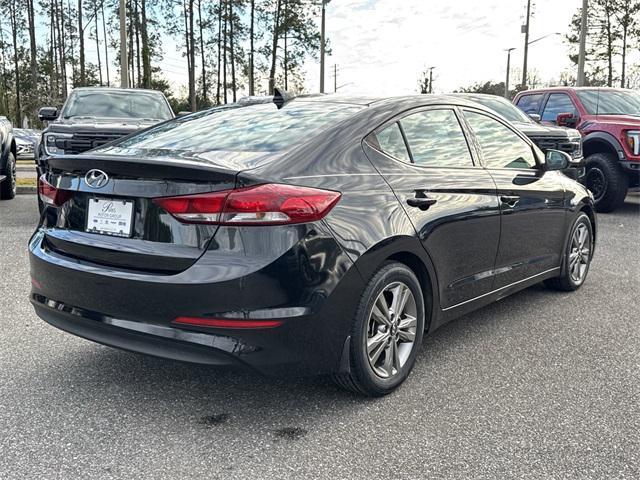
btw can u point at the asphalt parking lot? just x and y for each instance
(540, 385)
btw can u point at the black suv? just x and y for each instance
(93, 116)
(546, 137)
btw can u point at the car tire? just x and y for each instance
(394, 340)
(8, 188)
(606, 180)
(575, 251)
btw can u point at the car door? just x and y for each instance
(531, 200)
(425, 158)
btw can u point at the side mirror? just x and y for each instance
(535, 117)
(556, 160)
(48, 113)
(566, 120)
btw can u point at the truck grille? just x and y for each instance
(83, 141)
(573, 148)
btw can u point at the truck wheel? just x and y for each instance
(8, 188)
(606, 180)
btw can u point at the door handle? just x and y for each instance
(421, 203)
(510, 200)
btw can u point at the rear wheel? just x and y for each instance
(606, 180)
(387, 332)
(577, 257)
(8, 188)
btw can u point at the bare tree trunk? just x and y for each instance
(55, 85)
(231, 53)
(146, 52)
(202, 58)
(83, 79)
(274, 48)
(131, 52)
(69, 28)
(14, 34)
(286, 51)
(137, 30)
(192, 54)
(251, 49)
(61, 48)
(95, 21)
(106, 42)
(224, 53)
(33, 52)
(219, 50)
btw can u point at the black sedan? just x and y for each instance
(319, 235)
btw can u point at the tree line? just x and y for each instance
(613, 32)
(227, 46)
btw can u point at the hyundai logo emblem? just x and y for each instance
(96, 178)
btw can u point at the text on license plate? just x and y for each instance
(111, 217)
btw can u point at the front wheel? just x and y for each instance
(387, 332)
(577, 257)
(606, 180)
(8, 188)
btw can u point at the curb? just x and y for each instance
(26, 190)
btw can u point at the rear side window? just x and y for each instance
(391, 142)
(435, 139)
(255, 128)
(501, 147)
(558, 103)
(530, 103)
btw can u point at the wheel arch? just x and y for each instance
(418, 267)
(409, 251)
(601, 142)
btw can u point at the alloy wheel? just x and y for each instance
(391, 330)
(580, 253)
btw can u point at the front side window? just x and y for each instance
(435, 139)
(530, 103)
(501, 146)
(558, 103)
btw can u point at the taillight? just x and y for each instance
(267, 204)
(51, 195)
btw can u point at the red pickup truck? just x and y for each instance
(609, 121)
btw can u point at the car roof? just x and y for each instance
(574, 89)
(115, 89)
(421, 99)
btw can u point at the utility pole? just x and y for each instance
(525, 29)
(124, 68)
(583, 41)
(322, 45)
(506, 82)
(335, 78)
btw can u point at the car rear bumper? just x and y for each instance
(314, 301)
(158, 341)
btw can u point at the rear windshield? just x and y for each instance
(114, 104)
(258, 128)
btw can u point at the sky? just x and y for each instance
(382, 46)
